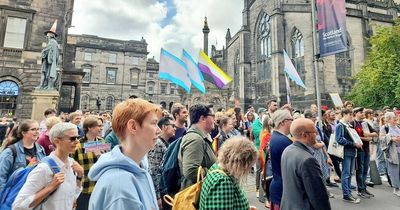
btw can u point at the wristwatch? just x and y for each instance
(79, 178)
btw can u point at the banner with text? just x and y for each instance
(332, 26)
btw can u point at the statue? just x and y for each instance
(50, 58)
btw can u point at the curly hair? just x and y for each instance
(236, 156)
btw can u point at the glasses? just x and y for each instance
(173, 125)
(211, 115)
(72, 138)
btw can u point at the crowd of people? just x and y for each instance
(116, 160)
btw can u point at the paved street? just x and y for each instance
(384, 198)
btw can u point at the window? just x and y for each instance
(15, 33)
(264, 49)
(297, 44)
(150, 87)
(112, 58)
(109, 103)
(111, 76)
(86, 78)
(163, 88)
(265, 36)
(88, 56)
(134, 77)
(135, 61)
(298, 53)
(172, 89)
(9, 92)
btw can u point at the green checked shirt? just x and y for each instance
(220, 191)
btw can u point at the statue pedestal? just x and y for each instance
(42, 100)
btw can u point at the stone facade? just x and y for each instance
(114, 71)
(22, 27)
(258, 71)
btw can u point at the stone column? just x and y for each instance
(42, 100)
(77, 98)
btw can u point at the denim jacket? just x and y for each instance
(7, 164)
(343, 137)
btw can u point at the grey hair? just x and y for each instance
(58, 130)
(389, 115)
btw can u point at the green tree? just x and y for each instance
(378, 82)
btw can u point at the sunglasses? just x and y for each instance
(72, 138)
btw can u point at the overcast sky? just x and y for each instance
(170, 24)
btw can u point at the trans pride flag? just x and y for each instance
(174, 69)
(194, 72)
(212, 72)
(291, 71)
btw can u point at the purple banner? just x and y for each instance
(331, 26)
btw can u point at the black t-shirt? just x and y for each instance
(30, 155)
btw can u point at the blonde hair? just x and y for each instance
(51, 121)
(236, 156)
(136, 109)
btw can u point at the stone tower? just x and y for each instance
(206, 30)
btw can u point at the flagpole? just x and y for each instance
(315, 60)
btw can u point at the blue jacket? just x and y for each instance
(121, 183)
(7, 164)
(343, 137)
(277, 145)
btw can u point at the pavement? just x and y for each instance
(384, 198)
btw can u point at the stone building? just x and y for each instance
(22, 27)
(114, 70)
(254, 55)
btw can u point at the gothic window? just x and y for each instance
(85, 101)
(265, 36)
(15, 33)
(109, 102)
(264, 49)
(297, 42)
(343, 63)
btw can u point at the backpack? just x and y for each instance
(189, 198)
(18, 179)
(171, 176)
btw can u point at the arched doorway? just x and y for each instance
(9, 91)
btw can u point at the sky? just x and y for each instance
(169, 24)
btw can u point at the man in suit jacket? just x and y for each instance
(303, 185)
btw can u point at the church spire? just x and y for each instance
(206, 30)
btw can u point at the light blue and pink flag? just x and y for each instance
(212, 72)
(291, 71)
(194, 72)
(174, 69)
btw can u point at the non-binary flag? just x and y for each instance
(194, 72)
(174, 69)
(212, 72)
(291, 71)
